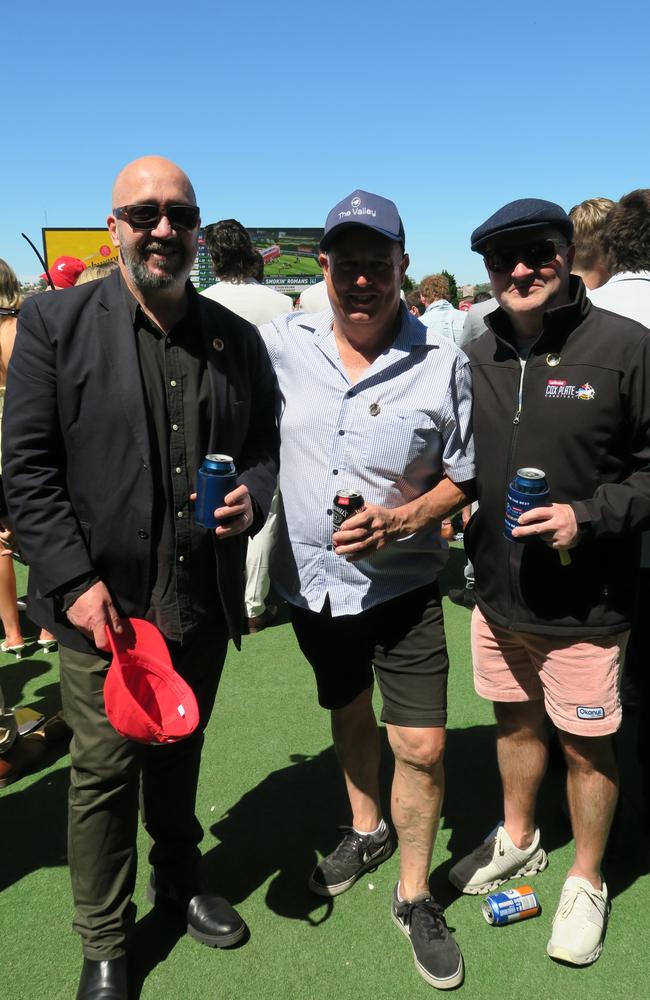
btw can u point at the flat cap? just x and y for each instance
(526, 213)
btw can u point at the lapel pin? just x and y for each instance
(552, 360)
(375, 408)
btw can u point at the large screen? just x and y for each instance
(290, 255)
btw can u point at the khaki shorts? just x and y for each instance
(577, 678)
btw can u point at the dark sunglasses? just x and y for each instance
(540, 253)
(148, 216)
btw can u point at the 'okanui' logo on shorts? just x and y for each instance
(590, 713)
(559, 388)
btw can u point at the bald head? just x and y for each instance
(155, 259)
(147, 178)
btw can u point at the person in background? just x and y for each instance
(65, 272)
(415, 304)
(314, 298)
(10, 303)
(589, 218)
(626, 246)
(239, 268)
(439, 314)
(96, 271)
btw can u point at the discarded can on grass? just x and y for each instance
(346, 503)
(527, 490)
(513, 904)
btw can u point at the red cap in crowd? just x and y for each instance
(145, 699)
(65, 271)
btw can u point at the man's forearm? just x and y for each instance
(445, 498)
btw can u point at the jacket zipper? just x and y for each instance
(513, 441)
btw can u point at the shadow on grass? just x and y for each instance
(34, 821)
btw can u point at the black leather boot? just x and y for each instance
(103, 980)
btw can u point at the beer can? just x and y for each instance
(513, 904)
(528, 489)
(346, 503)
(216, 477)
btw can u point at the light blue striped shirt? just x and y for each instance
(441, 317)
(390, 435)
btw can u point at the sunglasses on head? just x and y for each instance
(538, 253)
(147, 216)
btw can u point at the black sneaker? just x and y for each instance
(437, 956)
(357, 854)
(463, 596)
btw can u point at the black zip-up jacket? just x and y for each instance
(583, 416)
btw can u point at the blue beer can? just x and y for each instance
(215, 479)
(527, 490)
(514, 904)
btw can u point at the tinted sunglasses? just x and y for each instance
(148, 216)
(539, 253)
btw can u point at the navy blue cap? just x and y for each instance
(363, 209)
(524, 214)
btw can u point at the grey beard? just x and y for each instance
(144, 279)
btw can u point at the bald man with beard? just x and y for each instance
(116, 392)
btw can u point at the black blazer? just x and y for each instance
(76, 464)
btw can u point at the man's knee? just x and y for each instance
(587, 753)
(420, 748)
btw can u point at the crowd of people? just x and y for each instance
(422, 409)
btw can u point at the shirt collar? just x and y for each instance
(137, 313)
(628, 276)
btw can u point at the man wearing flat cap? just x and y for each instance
(560, 387)
(374, 403)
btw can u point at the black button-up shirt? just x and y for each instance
(178, 402)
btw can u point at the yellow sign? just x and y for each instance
(92, 246)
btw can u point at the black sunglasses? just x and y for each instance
(539, 253)
(148, 216)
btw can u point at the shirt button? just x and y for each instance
(142, 533)
(178, 470)
(179, 514)
(329, 512)
(145, 466)
(173, 383)
(329, 548)
(181, 558)
(174, 427)
(335, 472)
(341, 433)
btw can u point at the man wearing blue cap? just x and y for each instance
(374, 403)
(562, 387)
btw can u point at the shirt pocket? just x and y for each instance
(401, 444)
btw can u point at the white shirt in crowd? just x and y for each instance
(248, 298)
(626, 293)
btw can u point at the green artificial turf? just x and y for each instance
(270, 800)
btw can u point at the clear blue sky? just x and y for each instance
(278, 110)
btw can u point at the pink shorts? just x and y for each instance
(577, 678)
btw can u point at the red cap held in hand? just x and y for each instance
(145, 699)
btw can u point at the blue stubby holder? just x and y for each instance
(528, 489)
(214, 480)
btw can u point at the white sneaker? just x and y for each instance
(579, 922)
(495, 861)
